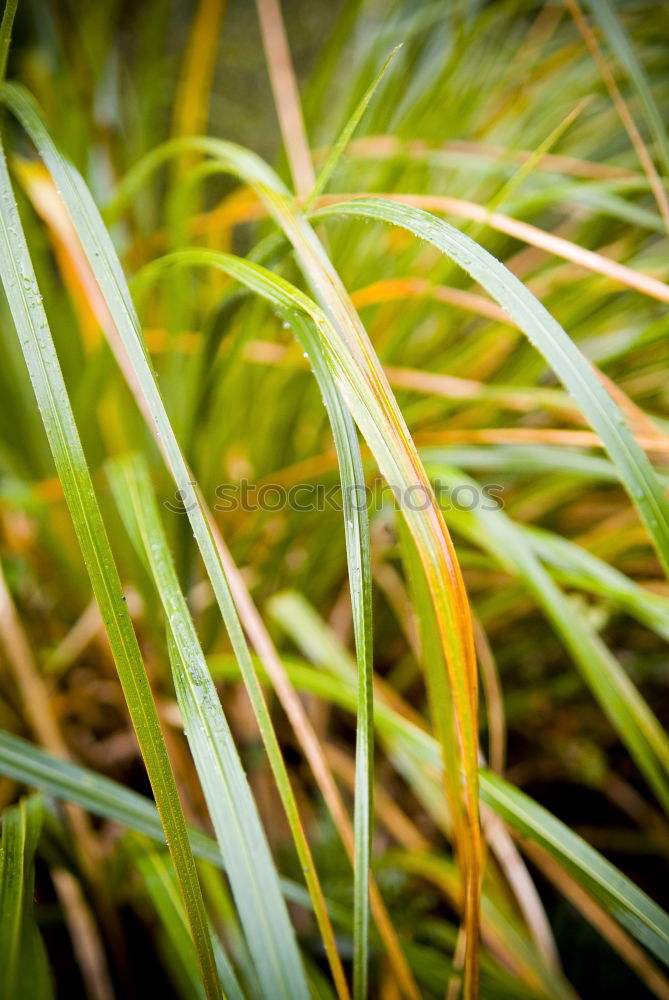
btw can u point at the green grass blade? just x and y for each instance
(34, 767)
(245, 851)
(105, 265)
(356, 522)
(363, 385)
(369, 399)
(106, 798)
(636, 471)
(6, 34)
(577, 567)
(20, 284)
(24, 970)
(643, 918)
(158, 876)
(344, 138)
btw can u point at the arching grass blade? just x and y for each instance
(32, 328)
(636, 472)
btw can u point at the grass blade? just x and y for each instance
(133, 359)
(22, 293)
(245, 851)
(441, 702)
(617, 894)
(6, 34)
(104, 797)
(34, 767)
(636, 472)
(24, 971)
(356, 522)
(577, 567)
(158, 876)
(344, 137)
(286, 95)
(369, 398)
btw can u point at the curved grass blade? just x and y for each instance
(546, 334)
(285, 296)
(577, 567)
(20, 284)
(24, 970)
(246, 854)
(104, 797)
(365, 389)
(138, 372)
(528, 460)
(25, 762)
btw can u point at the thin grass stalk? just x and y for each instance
(24, 970)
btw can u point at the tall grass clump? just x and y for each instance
(334, 526)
